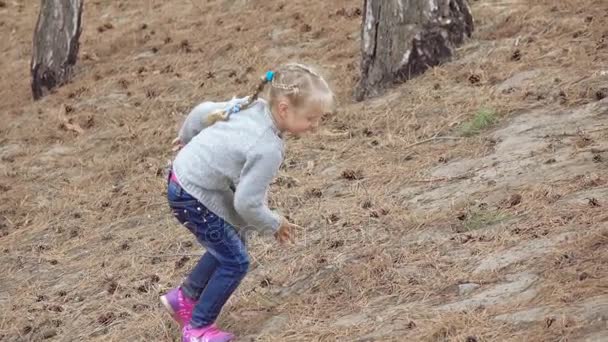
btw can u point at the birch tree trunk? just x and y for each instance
(403, 38)
(55, 44)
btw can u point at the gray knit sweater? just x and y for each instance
(229, 166)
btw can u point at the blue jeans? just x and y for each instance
(225, 263)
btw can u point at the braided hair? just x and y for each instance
(294, 81)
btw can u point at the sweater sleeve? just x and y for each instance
(250, 200)
(196, 121)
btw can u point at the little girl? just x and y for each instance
(218, 183)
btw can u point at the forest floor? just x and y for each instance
(468, 204)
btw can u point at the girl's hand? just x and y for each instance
(177, 145)
(286, 232)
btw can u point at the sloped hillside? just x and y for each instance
(466, 205)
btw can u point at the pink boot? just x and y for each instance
(209, 333)
(178, 305)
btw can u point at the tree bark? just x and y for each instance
(403, 38)
(55, 44)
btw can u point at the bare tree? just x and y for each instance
(55, 44)
(403, 38)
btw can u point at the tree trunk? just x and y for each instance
(403, 38)
(55, 44)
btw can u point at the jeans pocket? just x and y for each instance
(185, 211)
(213, 220)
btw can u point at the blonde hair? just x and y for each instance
(299, 84)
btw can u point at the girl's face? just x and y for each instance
(296, 121)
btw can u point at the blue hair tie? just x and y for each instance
(233, 110)
(269, 76)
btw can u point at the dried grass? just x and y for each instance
(85, 226)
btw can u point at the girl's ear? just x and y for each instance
(283, 108)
